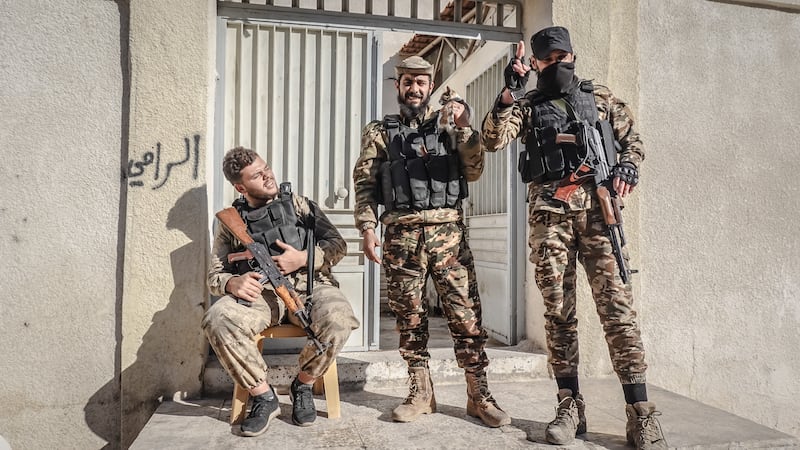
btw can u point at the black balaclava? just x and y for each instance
(557, 78)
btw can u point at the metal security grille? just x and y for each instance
(495, 219)
(496, 20)
(297, 96)
(488, 195)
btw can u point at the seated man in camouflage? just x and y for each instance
(282, 221)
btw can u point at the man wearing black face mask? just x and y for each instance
(567, 224)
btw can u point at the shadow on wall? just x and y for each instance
(171, 356)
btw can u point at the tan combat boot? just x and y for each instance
(420, 398)
(570, 419)
(481, 404)
(643, 429)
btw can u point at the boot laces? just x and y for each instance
(413, 388)
(482, 386)
(258, 408)
(302, 397)
(649, 428)
(564, 413)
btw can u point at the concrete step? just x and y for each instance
(386, 369)
(366, 422)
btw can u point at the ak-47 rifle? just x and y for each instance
(599, 145)
(270, 273)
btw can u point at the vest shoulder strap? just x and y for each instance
(286, 191)
(391, 123)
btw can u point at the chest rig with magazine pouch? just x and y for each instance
(275, 220)
(423, 170)
(547, 157)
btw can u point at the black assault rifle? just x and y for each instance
(269, 272)
(599, 145)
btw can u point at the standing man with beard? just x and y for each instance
(567, 224)
(417, 164)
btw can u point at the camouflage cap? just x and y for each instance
(414, 65)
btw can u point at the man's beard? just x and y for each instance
(409, 111)
(263, 196)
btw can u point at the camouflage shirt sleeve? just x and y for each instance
(471, 152)
(330, 246)
(365, 175)
(502, 125)
(619, 115)
(219, 272)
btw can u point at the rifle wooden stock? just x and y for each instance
(612, 215)
(608, 205)
(233, 221)
(290, 298)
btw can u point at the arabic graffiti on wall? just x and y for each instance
(151, 162)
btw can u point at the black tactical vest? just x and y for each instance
(545, 160)
(276, 220)
(423, 170)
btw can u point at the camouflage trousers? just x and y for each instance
(410, 254)
(557, 241)
(230, 328)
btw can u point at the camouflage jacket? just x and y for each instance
(330, 249)
(505, 123)
(374, 153)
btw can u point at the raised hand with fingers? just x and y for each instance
(516, 73)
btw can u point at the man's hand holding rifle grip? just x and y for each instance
(267, 271)
(612, 182)
(609, 185)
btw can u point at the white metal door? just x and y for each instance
(299, 96)
(496, 230)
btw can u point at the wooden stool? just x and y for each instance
(329, 383)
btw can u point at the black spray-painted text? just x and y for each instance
(136, 169)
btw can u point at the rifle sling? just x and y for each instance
(311, 246)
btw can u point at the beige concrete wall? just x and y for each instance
(712, 87)
(718, 105)
(106, 127)
(166, 244)
(61, 103)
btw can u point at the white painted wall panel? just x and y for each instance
(299, 97)
(488, 219)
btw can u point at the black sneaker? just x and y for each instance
(265, 408)
(303, 411)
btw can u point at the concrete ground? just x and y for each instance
(373, 383)
(366, 423)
